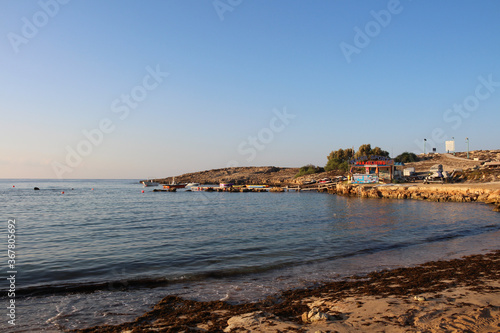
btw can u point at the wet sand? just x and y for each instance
(461, 295)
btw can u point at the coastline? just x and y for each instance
(488, 193)
(452, 295)
(455, 295)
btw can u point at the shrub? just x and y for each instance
(406, 157)
(334, 164)
(309, 170)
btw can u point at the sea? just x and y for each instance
(93, 252)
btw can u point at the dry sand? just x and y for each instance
(461, 295)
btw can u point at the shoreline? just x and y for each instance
(461, 294)
(488, 193)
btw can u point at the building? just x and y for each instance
(373, 169)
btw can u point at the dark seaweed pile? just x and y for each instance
(174, 314)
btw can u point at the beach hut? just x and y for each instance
(373, 169)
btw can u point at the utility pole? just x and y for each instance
(424, 145)
(467, 147)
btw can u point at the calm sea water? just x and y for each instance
(120, 250)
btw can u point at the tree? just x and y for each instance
(364, 150)
(339, 160)
(379, 152)
(406, 157)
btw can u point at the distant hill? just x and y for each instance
(269, 175)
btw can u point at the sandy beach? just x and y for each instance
(461, 295)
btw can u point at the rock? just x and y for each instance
(246, 321)
(419, 298)
(315, 315)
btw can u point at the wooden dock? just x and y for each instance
(297, 188)
(312, 187)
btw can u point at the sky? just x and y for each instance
(150, 89)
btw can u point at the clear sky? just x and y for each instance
(136, 89)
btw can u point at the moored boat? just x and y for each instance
(173, 184)
(257, 186)
(149, 183)
(197, 188)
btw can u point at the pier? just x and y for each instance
(264, 188)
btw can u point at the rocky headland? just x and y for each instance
(473, 170)
(267, 175)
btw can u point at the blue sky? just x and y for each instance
(129, 89)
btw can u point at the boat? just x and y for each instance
(192, 184)
(173, 184)
(225, 185)
(149, 183)
(197, 188)
(257, 186)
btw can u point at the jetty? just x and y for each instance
(262, 188)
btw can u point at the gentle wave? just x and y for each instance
(127, 284)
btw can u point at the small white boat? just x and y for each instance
(149, 183)
(192, 184)
(197, 188)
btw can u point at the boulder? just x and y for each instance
(315, 315)
(247, 321)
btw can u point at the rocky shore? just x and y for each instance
(487, 193)
(461, 295)
(473, 171)
(267, 175)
